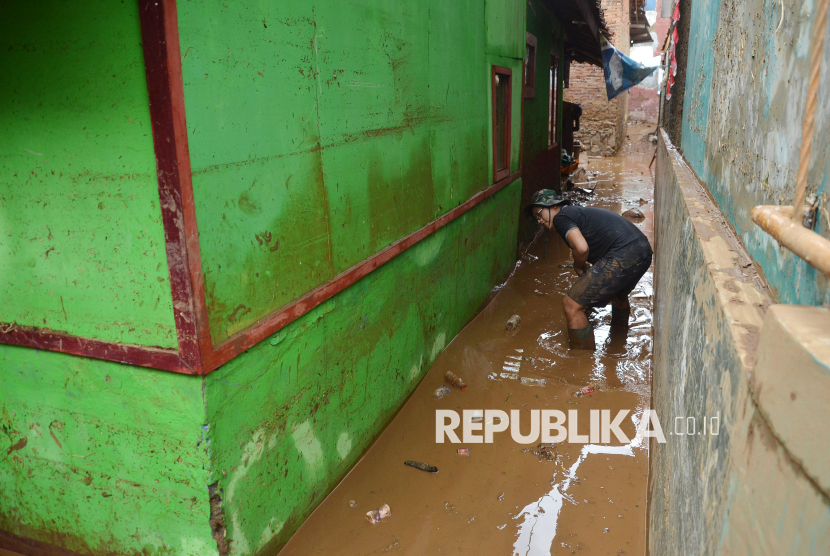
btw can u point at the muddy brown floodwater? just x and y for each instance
(507, 498)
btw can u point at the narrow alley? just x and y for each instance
(361, 277)
(507, 498)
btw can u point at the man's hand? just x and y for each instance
(579, 247)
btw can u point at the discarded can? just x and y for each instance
(451, 377)
(533, 381)
(422, 466)
(585, 390)
(441, 391)
(374, 516)
(463, 451)
(513, 322)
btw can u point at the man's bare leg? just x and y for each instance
(575, 313)
(580, 333)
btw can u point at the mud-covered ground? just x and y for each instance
(507, 498)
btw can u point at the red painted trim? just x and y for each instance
(160, 43)
(160, 40)
(31, 547)
(169, 360)
(503, 172)
(522, 135)
(51, 340)
(266, 326)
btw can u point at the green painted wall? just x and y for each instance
(134, 449)
(320, 135)
(504, 22)
(102, 458)
(308, 158)
(81, 240)
(292, 415)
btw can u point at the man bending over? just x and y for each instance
(618, 252)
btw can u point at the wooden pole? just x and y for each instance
(807, 244)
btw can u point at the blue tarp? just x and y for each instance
(621, 72)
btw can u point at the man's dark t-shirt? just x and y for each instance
(607, 233)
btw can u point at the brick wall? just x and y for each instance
(644, 103)
(603, 123)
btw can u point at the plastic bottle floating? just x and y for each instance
(533, 381)
(585, 390)
(455, 380)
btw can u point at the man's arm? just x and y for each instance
(580, 249)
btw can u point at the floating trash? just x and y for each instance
(422, 466)
(374, 516)
(441, 391)
(585, 390)
(453, 379)
(634, 215)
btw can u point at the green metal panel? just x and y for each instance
(81, 240)
(102, 458)
(292, 415)
(319, 135)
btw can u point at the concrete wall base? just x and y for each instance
(751, 482)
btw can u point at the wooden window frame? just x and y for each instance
(504, 171)
(553, 100)
(529, 84)
(566, 73)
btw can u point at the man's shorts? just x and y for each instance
(612, 276)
